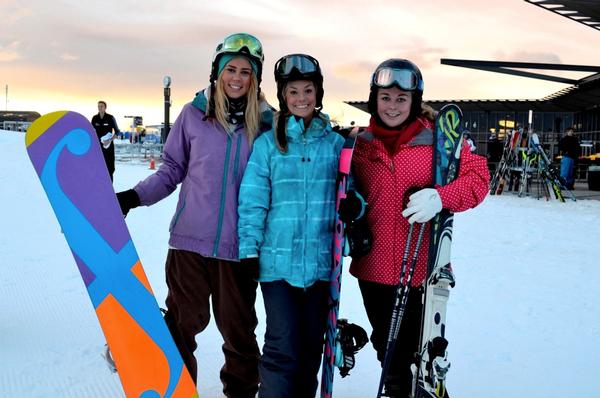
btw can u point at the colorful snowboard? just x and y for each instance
(329, 354)
(65, 152)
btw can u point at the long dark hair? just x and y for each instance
(280, 118)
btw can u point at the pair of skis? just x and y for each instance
(549, 174)
(507, 165)
(429, 372)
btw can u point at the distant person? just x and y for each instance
(494, 149)
(105, 123)
(569, 148)
(206, 152)
(494, 152)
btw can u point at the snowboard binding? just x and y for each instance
(350, 339)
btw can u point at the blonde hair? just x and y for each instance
(251, 114)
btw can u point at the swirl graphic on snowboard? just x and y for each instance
(62, 147)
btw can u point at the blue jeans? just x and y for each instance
(567, 165)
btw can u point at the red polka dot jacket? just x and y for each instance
(384, 179)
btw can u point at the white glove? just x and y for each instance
(423, 205)
(106, 139)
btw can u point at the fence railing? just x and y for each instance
(138, 152)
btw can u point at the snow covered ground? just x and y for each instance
(523, 320)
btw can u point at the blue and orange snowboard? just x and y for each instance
(64, 150)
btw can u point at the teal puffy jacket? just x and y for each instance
(287, 203)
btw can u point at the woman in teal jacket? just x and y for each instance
(286, 220)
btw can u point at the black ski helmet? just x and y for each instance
(238, 43)
(401, 73)
(294, 67)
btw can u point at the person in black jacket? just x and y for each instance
(104, 124)
(569, 148)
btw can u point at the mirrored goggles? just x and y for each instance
(304, 65)
(236, 43)
(404, 78)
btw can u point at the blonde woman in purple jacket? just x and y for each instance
(206, 151)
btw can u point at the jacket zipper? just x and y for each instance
(396, 217)
(223, 196)
(177, 215)
(236, 160)
(304, 167)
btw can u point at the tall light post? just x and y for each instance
(167, 95)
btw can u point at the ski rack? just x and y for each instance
(524, 162)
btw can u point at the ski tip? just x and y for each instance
(451, 106)
(41, 124)
(449, 121)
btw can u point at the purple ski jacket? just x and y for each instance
(209, 163)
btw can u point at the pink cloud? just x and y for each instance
(10, 52)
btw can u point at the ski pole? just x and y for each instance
(399, 292)
(400, 303)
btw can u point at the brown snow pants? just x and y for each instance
(192, 280)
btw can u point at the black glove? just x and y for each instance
(250, 267)
(350, 207)
(360, 238)
(128, 200)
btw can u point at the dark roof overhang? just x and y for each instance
(586, 12)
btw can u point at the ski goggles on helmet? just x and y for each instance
(300, 64)
(241, 43)
(404, 78)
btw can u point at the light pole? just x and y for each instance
(167, 95)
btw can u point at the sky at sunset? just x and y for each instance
(69, 54)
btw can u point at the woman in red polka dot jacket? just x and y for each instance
(392, 159)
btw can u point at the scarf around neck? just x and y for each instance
(236, 110)
(392, 139)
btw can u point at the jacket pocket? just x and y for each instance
(283, 257)
(177, 216)
(275, 258)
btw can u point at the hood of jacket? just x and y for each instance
(318, 128)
